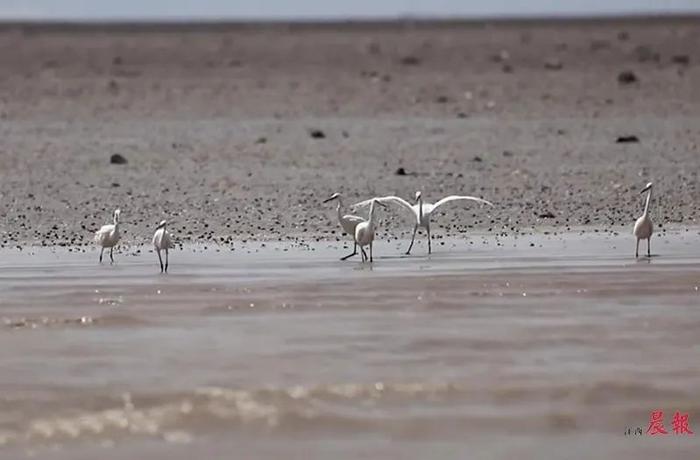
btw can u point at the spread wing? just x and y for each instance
(388, 199)
(447, 199)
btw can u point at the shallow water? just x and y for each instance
(543, 346)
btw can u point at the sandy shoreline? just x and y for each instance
(216, 127)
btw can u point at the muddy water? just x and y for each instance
(546, 346)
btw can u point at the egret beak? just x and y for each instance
(645, 189)
(329, 199)
(381, 204)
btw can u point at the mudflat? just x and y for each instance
(237, 132)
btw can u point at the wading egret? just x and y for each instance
(421, 211)
(643, 227)
(347, 221)
(108, 236)
(364, 232)
(162, 242)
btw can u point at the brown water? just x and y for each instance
(488, 349)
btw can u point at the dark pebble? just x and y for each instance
(627, 139)
(410, 60)
(401, 172)
(117, 159)
(553, 64)
(317, 134)
(681, 59)
(547, 215)
(627, 77)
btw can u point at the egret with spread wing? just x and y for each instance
(421, 211)
(347, 221)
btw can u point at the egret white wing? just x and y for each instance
(447, 199)
(388, 199)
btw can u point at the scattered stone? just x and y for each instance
(261, 140)
(627, 139)
(547, 215)
(317, 134)
(507, 68)
(401, 172)
(507, 153)
(553, 64)
(623, 36)
(117, 159)
(626, 77)
(682, 59)
(115, 184)
(117, 60)
(410, 60)
(461, 115)
(502, 56)
(477, 159)
(442, 99)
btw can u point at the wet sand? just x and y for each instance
(493, 349)
(215, 123)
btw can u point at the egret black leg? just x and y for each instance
(370, 252)
(430, 249)
(415, 229)
(101, 252)
(354, 253)
(364, 254)
(166, 261)
(111, 257)
(160, 260)
(649, 246)
(636, 251)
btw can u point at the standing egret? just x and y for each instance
(643, 227)
(347, 221)
(422, 211)
(108, 236)
(162, 241)
(364, 232)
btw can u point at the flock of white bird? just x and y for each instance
(359, 228)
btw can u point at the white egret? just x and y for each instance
(162, 241)
(643, 228)
(364, 232)
(422, 211)
(108, 236)
(347, 221)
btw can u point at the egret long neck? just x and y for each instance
(646, 206)
(339, 208)
(371, 215)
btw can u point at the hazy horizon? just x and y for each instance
(101, 10)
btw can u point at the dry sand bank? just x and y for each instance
(215, 125)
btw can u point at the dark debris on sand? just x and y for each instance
(118, 159)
